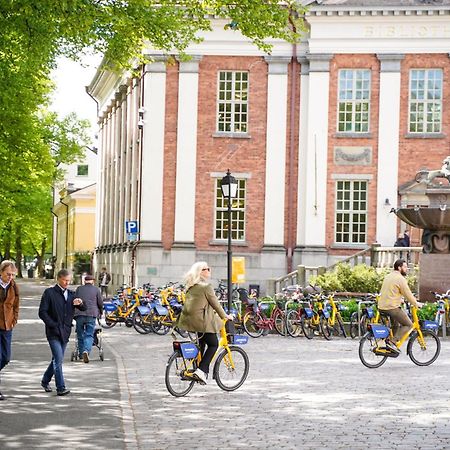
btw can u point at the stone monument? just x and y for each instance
(432, 215)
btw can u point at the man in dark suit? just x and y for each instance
(57, 310)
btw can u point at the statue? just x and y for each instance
(428, 176)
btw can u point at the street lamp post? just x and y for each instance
(229, 191)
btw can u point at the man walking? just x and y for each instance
(9, 311)
(56, 310)
(92, 298)
(104, 279)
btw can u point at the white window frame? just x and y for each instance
(237, 107)
(352, 213)
(354, 95)
(424, 121)
(238, 213)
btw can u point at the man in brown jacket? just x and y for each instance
(394, 288)
(9, 311)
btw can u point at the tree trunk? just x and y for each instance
(7, 241)
(40, 258)
(19, 251)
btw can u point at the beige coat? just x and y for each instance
(201, 311)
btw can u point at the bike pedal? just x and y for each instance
(386, 352)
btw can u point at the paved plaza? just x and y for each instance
(299, 395)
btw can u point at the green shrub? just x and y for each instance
(428, 311)
(360, 278)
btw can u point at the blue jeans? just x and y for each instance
(85, 333)
(55, 367)
(5, 347)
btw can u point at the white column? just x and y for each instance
(153, 150)
(274, 213)
(302, 151)
(313, 198)
(186, 151)
(388, 146)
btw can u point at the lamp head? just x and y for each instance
(229, 185)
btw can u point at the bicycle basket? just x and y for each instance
(308, 312)
(189, 350)
(144, 310)
(370, 313)
(430, 325)
(109, 307)
(161, 310)
(239, 339)
(379, 331)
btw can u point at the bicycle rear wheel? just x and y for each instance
(325, 328)
(251, 324)
(424, 352)
(367, 346)
(230, 371)
(293, 323)
(176, 383)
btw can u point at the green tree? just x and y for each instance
(34, 33)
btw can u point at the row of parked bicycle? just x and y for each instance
(296, 311)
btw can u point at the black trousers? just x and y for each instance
(210, 341)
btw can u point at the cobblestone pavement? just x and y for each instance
(89, 418)
(299, 395)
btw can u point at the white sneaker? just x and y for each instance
(200, 375)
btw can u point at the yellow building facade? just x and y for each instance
(75, 225)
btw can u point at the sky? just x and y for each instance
(70, 93)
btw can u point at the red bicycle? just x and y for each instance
(256, 322)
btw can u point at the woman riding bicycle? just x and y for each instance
(202, 313)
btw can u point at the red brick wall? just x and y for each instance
(217, 154)
(170, 156)
(366, 61)
(417, 153)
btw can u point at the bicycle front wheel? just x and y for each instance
(293, 323)
(354, 325)
(424, 351)
(231, 369)
(338, 327)
(177, 384)
(325, 328)
(280, 322)
(307, 327)
(140, 324)
(367, 346)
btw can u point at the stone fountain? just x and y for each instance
(431, 213)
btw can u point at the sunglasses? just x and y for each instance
(207, 268)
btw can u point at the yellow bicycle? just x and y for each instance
(230, 368)
(423, 344)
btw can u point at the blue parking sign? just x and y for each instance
(131, 226)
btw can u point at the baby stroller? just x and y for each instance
(97, 343)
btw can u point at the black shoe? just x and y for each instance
(2, 397)
(46, 387)
(63, 392)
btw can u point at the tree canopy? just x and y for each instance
(34, 33)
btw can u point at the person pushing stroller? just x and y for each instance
(85, 320)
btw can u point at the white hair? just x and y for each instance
(194, 274)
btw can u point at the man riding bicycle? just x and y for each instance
(394, 288)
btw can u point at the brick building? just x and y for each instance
(320, 135)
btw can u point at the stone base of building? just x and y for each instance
(153, 264)
(433, 275)
(312, 256)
